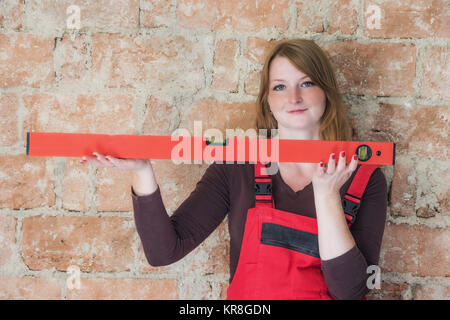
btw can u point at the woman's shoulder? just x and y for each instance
(377, 176)
(377, 181)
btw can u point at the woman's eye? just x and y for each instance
(278, 87)
(310, 83)
(282, 86)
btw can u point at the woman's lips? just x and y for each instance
(298, 111)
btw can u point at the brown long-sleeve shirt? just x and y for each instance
(228, 189)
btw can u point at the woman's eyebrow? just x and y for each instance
(284, 80)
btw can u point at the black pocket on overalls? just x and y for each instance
(290, 238)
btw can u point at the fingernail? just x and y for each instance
(355, 157)
(333, 156)
(343, 154)
(321, 164)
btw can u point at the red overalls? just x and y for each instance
(279, 257)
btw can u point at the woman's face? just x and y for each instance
(290, 89)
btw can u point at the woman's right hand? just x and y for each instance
(98, 160)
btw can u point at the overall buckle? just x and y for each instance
(263, 188)
(350, 208)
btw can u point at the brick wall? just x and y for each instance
(149, 67)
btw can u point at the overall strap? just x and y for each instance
(262, 187)
(352, 199)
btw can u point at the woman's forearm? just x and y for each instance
(144, 181)
(334, 235)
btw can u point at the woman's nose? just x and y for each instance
(295, 95)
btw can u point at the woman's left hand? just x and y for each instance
(330, 179)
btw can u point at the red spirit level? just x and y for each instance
(180, 148)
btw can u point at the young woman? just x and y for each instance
(295, 241)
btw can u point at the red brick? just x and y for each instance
(81, 113)
(443, 193)
(382, 69)
(8, 239)
(223, 292)
(159, 114)
(254, 15)
(125, 289)
(232, 115)
(29, 183)
(435, 79)
(9, 105)
(418, 129)
(175, 181)
(198, 13)
(418, 249)
(11, 14)
(426, 212)
(389, 291)
(311, 16)
(257, 49)
(71, 55)
(226, 67)
(433, 189)
(353, 121)
(403, 190)
(26, 60)
(93, 244)
(432, 292)
(418, 188)
(156, 61)
(75, 186)
(251, 85)
(410, 19)
(29, 288)
(205, 288)
(429, 137)
(113, 190)
(213, 255)
(239, 15)
(155, 13)
(344, 17)
(50, 16)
